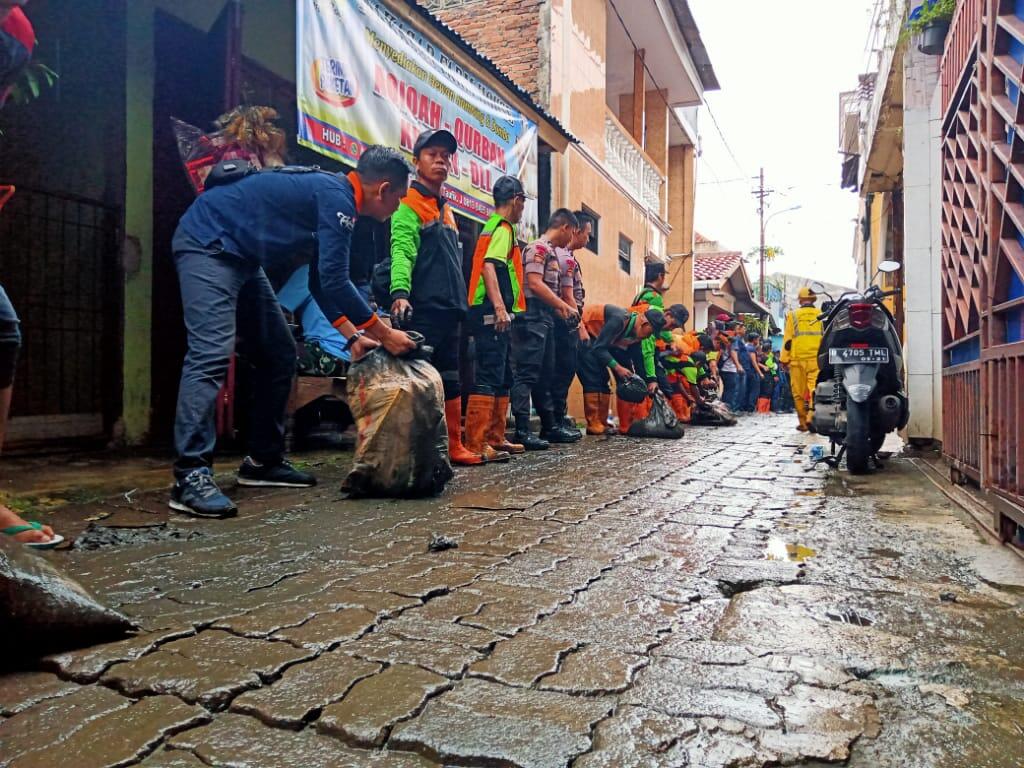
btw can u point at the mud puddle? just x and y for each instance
(107, 537)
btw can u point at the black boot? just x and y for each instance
(526, 438)
(553, 431)
(569, 424)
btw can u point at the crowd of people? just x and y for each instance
(533, 331)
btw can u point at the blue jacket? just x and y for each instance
(282, 219)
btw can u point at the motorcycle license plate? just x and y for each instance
(849, 356)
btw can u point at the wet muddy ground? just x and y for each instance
(618, 603)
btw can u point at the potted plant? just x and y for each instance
(930, 23)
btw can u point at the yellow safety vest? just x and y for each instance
(803, 334)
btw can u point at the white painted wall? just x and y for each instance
(922, 128)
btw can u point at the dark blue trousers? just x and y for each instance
(223, 295)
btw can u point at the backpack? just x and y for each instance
(230, 171)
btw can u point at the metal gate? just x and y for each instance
(983, 250)
(59, 263)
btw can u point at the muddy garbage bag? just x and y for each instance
(660, 422)
(714, 414)
(43, 610)
(632, 389)
(402, 443)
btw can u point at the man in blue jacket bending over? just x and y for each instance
(225, 240)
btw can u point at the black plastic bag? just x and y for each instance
(633, 389)
(660, 422)
(43, 610)
(402, 442)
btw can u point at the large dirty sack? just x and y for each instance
(44, 610)
(660, 422)
(714, 414)
(402, 443)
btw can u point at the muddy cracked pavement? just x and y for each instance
(614, 604)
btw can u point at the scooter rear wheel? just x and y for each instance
(858, 437)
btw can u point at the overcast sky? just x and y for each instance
(781, 64)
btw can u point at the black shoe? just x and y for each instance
(198, 495)
(282, 475)
(530, 441)
(570, 423)
(560, 434)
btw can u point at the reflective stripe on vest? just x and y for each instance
(477, 288)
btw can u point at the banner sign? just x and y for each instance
(367, 76)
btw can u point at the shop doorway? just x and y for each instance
(197, 79)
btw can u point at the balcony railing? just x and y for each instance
(631, 166)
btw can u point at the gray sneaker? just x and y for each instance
(198, 495)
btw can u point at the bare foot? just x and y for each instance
(9, 518)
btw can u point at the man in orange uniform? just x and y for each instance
(613, 331)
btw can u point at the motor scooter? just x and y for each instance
(861, 393)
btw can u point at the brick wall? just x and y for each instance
(508, 33)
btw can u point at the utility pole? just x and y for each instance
(761, 194)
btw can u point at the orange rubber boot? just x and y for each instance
(496, 438)
(592, 410)
(479, 411)
(626, 412)
(681, 407)
(457, 452)
(604, 408)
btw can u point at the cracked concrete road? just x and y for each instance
(615, 604)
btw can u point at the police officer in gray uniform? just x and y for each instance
(532, 344)
(567, 335)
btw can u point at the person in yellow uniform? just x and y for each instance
(800, 352)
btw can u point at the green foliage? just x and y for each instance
(755, 323)
(29, 86)
(937, 10)
(771, 252)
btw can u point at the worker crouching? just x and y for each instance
(613, 332)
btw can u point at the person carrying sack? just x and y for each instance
(653, 350)
(428, 289)
(613, 331)
(223, 245)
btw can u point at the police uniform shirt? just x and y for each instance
(571, 275)
(540, 258)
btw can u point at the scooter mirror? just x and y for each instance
(890, 266)
(817, 287)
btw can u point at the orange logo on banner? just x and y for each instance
(334, 83)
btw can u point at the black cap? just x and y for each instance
(656, 318)
(432, 138)
(679, 313)
(506, 188)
